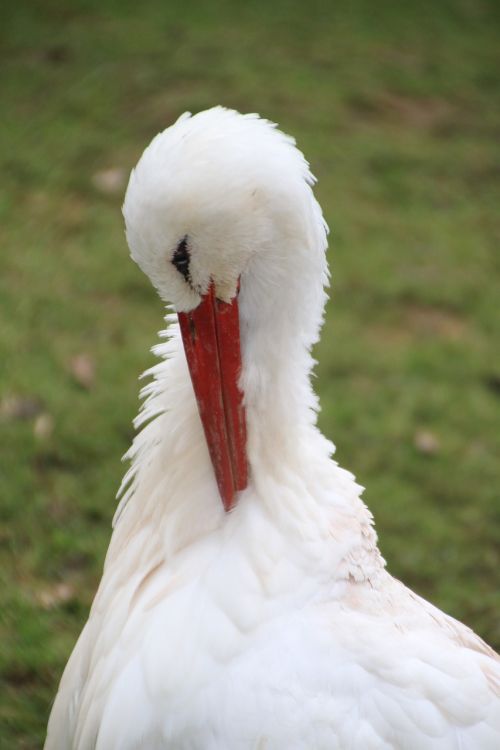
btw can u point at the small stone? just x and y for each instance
(20, 407)
(110, 181)
(58, 594)
(43, 427)
(82, 368)
(426, 442)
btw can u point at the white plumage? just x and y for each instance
(274, 626)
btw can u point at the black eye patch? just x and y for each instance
(181, 258)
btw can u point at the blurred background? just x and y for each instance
(397, 107)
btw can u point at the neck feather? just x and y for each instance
(170, 487)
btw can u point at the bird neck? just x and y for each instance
(170, 488)
(281, 312)
(170, 501)
(280, 403)
(276, 335)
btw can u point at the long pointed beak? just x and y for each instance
(211, 337)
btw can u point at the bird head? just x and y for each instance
(217, 201)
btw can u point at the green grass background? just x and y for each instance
(396, 105)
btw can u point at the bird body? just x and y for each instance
(274, 626)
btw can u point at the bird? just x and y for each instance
(244, 602)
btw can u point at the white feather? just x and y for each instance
(275, 626)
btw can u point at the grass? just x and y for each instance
(396, 107)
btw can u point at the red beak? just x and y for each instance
(211, 337)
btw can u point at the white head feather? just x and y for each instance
(239, 190)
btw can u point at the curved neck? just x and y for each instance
(281, 312)
(171, 492)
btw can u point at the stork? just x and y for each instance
(244, 604)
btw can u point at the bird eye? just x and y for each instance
(181, 258)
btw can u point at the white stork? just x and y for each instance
(244, 604)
